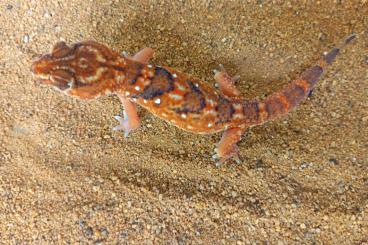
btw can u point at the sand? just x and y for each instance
(67, 178)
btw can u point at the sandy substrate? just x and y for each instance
(66, 177)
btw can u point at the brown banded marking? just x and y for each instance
(133, 72)
(312, 75)
(262, 112)
(162, 82)
(303, 84)
(275, 106)
(193, 101)
(284, 101)
(294, 93)
(224, 109)
(251, 111)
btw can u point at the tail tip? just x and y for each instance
(330, 56)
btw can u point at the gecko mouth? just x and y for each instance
(44, 79)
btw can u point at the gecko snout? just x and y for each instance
(45, 72)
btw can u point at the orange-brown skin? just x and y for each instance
(88, 70)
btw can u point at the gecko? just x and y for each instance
(88, 70)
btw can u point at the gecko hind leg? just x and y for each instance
(227, 148)
(131, 119)
(226, 83)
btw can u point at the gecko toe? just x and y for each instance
(117, 128)
(236, 78)
(119, 118)
(125, 54)
(237, 159)
(220, 69)
(124, 125)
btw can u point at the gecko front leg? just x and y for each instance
(131, 119)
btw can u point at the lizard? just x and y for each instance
(88, 70)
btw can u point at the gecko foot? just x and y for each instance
(234, 154)
(124, 125)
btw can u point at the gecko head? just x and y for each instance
(81, 70)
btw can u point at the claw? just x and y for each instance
(236, 78)
(221, 68)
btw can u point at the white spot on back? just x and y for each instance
(209, 125)
(174, 75)
(145, 101)
(183, 115)
(127, 93)
(209, 101)
(175, 96)
(120, 78)
(137, 88)
(238, 116)
(99, 58)
(149, 66)
(181, 87)
(211, 112)
(158, 101)
(237, 106)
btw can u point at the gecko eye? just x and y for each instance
(62, 79)
(60, 50)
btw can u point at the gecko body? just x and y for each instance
(89, 69)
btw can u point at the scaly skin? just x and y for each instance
(89, 69)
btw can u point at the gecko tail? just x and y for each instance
(280, 103)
